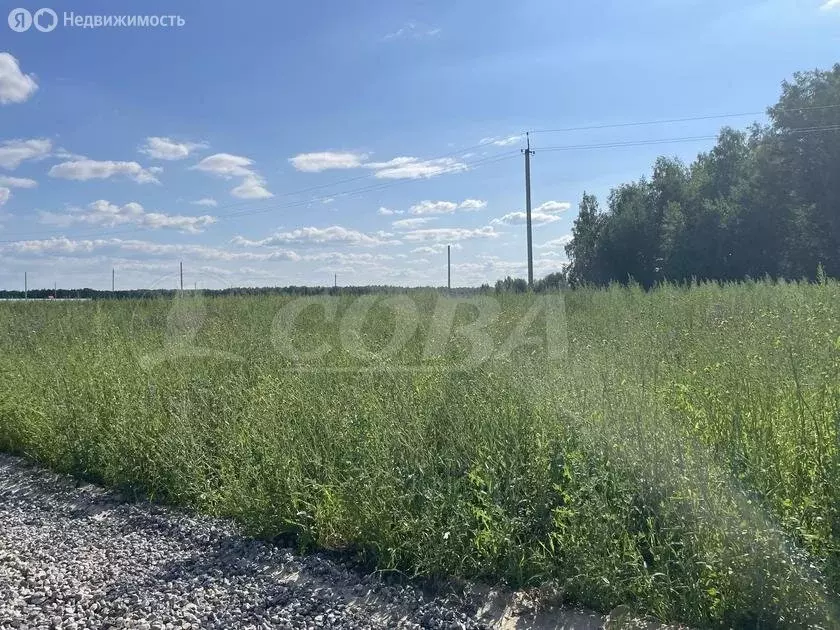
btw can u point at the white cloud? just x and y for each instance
(543, 214)
(14, 152)
(387, 212)
(206, 201)
(84, 170)
(435, 249)
(831, 4)
(5, 193)
(161, 148)
(442, 235)
(553, 206)
(105, 214)
(556, 243)
(63, 154)
(396, 168)
(252, 187)
(227, 166)
(433, 207)
(502, 141)
(64, 245)
(413, 31)
(319, 236)
(409, 224)
(414, 168)
(17, 182)
(446, 207)
(520, 218)
(15, 87)
(472, 204)
(345, 258)
(325, 160)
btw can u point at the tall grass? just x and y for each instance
(682, 458)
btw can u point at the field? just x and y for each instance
(675, 450)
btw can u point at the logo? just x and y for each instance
(20, 20)
(45, 20)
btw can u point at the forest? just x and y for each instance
(764, 202)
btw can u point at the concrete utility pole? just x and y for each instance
(335, 281)
(25, 286)
(528, 153)
(182, 276)
(449, 267)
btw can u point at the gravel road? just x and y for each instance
(77, 556)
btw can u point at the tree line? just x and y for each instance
(762, 202)
(292, 291)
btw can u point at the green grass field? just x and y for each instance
(675, 450)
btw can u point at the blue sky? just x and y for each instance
(278, 143)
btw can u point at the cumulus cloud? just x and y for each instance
(442, 235)
(346, 258)
(161, 148)
(319, 236)
(387, 212)
(409, 224)
(830, 4)
(446, 207)
(437, 248)
(15, 152)
(206, 201)
(5, 194)
(543, 214)
(325, 160)
(472, 204)
(396, 168)
(433, 207)
(105, 214)
(17, 182)
(556, 243)
(15, 86)
(553, 206)
(227, 166)
(414, 168)
(64, 245)
(520, 218)
(84, 170)
(502, 141)
(252, 187)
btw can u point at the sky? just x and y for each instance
(288, 143)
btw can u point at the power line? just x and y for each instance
(347, 180)
(640, 143)
(669, 121)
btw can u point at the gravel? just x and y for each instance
(78, 556)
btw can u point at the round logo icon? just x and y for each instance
(45, 20)
(20, 20)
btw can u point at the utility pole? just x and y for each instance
(182, 276)
(335, 281)
(449, 267)
(528, 153)
(113, 279)
(25, 286)
(55, 290)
